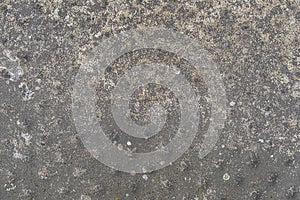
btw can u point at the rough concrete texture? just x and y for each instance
(255, 44)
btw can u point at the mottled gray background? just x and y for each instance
(256, 46)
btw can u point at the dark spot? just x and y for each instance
(297, 16)
(122, 17)
(284, 90)
(260, 25)
(115, 137)
(170, 185)
(62, 13)
(255, 195)
(38, 7)
(253, 159)
(224, 13)
(276, 11)
(54, 22)
(226, 44)
(108, 69)
(272, 178)
(133, 187)
(104, 4)
(201, 5)
(238, 179)
(224, 198)
(43, 140)
(268, 108)
(3, 40)
(289, 161)
(3, 8)
(71, 36)
(5, 74)
(27, 123)
(24, 56)
(204, 183)
(244, 26)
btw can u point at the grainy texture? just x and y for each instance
(255, 44)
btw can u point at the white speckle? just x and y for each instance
(58, 157)
(27, 93)
(12, 65)
(267, 113)
(145, 177)
(18, 155)
(272, 156)
(232, 103)
(144, 170)
(162, 162)
(26, 192)
(177, 71)
(43, 173)
(261, 140)
(38, 80)
(26, 137)
(55, 14)
(85, 197)
(226, 177)
(129, 143)
(9, 187)
(62, 190)
(223, 146)
(78, 172)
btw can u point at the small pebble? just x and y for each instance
(261, 140)
(128, 143)
(232, 103)
(120, 147)
(226, 177)
(132, 173)
(145, 177)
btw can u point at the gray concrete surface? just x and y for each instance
(255, 44)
